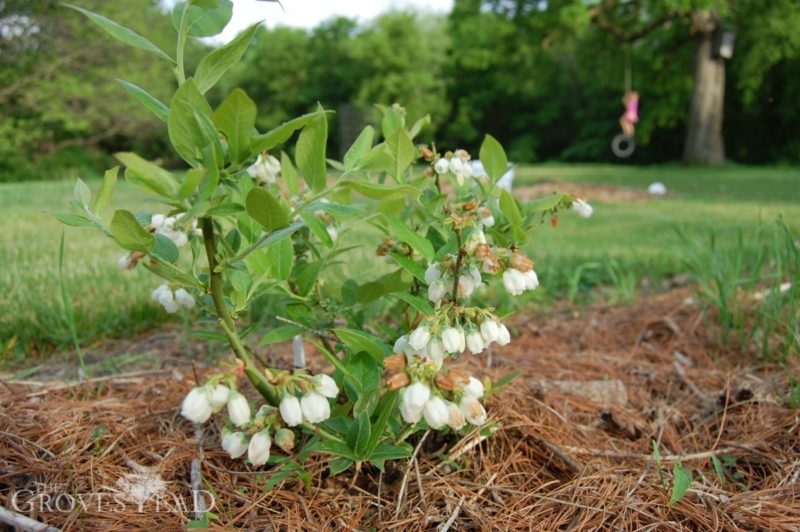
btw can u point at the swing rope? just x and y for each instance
(628, 80)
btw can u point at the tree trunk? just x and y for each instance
(704, 144)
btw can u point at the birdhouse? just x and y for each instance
(724, 39)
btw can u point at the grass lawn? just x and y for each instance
(621, 243)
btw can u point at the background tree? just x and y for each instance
(58, 99)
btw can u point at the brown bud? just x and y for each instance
(426, 152)
(471, 205)
(394, 363)
(554, 220)
(444, 382)
(429, 172)
(483, 251)
(521, 262)
(397, 381)
(459, 377)
(491, 265)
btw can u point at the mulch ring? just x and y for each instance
(574, 448)
(587, 191)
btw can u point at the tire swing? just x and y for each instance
(623, 145)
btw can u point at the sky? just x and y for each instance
(308, 13)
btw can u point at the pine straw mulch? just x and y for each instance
(573, 450)
(587, 191)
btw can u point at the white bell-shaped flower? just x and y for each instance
(475, 342)
(315, 407)
(419, 338)
(290, 410)
(410, 413)
(531, 280)
(583, 209)
(514, 281)
(473, 410)
(258, 449)
(436, 291)
(490, 331)
(325, 386)
(238, 409)
(503, 336)
(456, 419)
(184, 298)
(442, 166)
(436, 412)
(451, 339)
(265, 169)
(196, 406)
(433, 273)
(234, 443)
(436, 349)
(416, 395)
(219, 397)
(474, 388)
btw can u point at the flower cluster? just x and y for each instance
(266, 169)
(171, 300)
(171, 227)
(254, 433)
(442, 398)
(457, 163)
(313, 405)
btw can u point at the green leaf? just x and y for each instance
(148, 176)
(385, 410)
(361, 146)
(281, 134)
(409, 265)
(318, 228)
(359, 435)
(281, 258)
(203, 22)
(719, 469)
(289, 173)
(265, 208)
(544, 203)
(339, 465)
(378, 159)
(74, 220)
(236, 118)
(402, 150)
(508, 206)
(103, 198)
(419, 125)
(387, 451)
(149, 101)
(191, 180)
(493, 158)
(681, 481)
(359, 341)
(281, 334)
(186, 135)
(418, 303)
(123, 34)
(364, 375)
(381, 192)
(129, 234)
(400, 230)
(308, 276)
(214, 65)
(386, 284)
(82, 193)
(391, 121)
(310, 152)
(165, 249)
